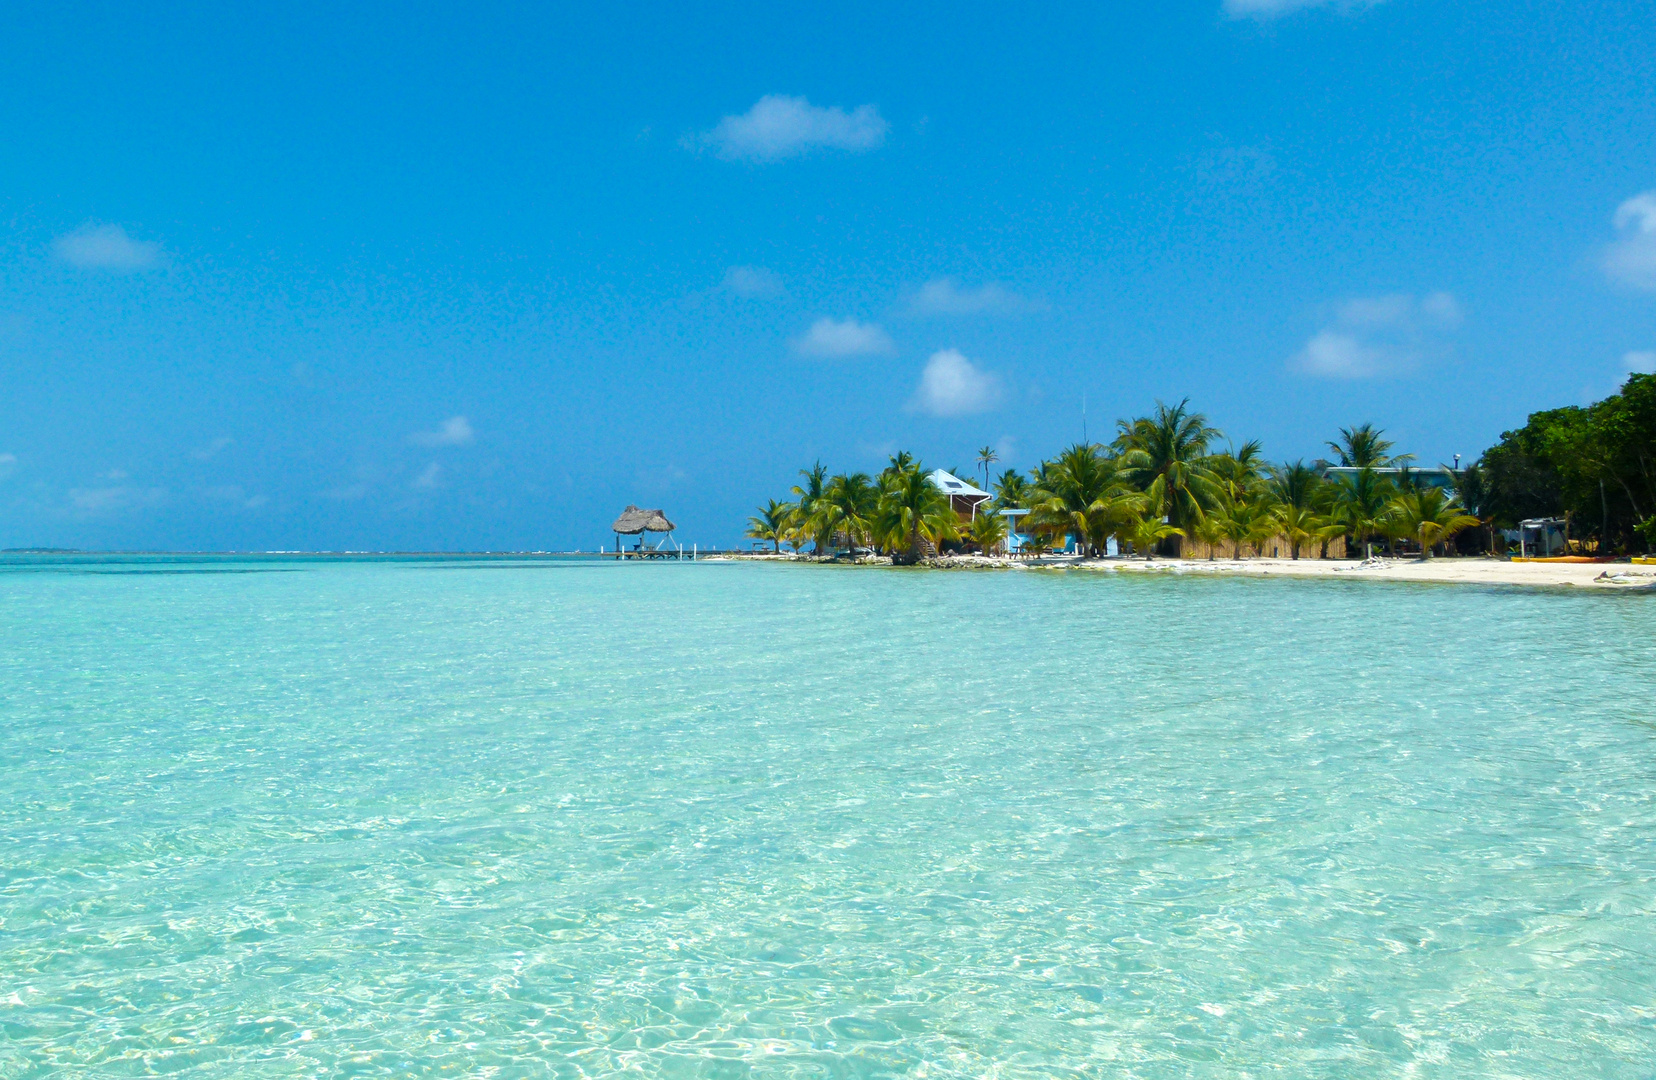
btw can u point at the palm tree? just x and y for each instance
(1245, 520)
(1330, 530)
(1147, 532)
(914, 509)
(1296, 485)
(987, 457)
(1012, 491)
(809, 499)
(1165, 456)
(1430, 517)
(1084, 495)
(1210, 531)
(773, 522)
(1298, 525)
(899, 461)
(1473, 489)
(1299, 493)
(1360, 505)
(1361, 447)
(847, 504)
(988, 532)
(1238, 470)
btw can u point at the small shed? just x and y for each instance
(636, 522)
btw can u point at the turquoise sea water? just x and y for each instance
(450, 818)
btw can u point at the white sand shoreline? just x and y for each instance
(1449, 571)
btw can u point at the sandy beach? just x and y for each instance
(1447, 571)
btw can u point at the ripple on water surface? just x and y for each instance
(390, 817)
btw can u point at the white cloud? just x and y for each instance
(208, 452)
(952, 385)
(752, 282)
(831, 338)
(234, 493)
(1642, 361)
(105, 499)
(1274, 9)
(779, 126)
(455, 431)
(1632, 258)
(429, 476)
(105, 247)
(8, 463)
(1376, 336)
(944, 296)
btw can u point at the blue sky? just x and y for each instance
(475, 277)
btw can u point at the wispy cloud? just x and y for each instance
(945, 296)
(951, 385)
(235, 494)
(8, 463)
(840, 338)
(118, 497)
(347, 492)
(752, 282)
(211, 450)
(1642, 361)
(779, 126)
(1632, 258)
(455, 431)
(106, 247)
(1275, 9)
(429, 477)
(1372, 337)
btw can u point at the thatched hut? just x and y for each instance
(636, 522)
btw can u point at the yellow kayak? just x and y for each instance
(1645, 560)
(1563, 558)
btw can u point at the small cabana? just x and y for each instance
(1543, 537)
(964, 498)
(636, 522)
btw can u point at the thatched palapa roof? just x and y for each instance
(633, 520)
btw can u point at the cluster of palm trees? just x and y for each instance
(900, 512)
(1160, 481)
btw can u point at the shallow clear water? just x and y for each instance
(360, 818)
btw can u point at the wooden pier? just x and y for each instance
(677, 553)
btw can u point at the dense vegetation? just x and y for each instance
(1161, 481)
(1595, 466)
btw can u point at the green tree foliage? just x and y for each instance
(913, 509)
(1429, 517)
(986, 457)
(988, 531)
(1595, 465)
(773, 522)
(1161, 479)
(1361, 506)
(1361, 447)
(1165, 456)
(1012, 491)
(808, 500)
(847, 508)
(1085, 496)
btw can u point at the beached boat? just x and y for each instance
(1645, 560)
